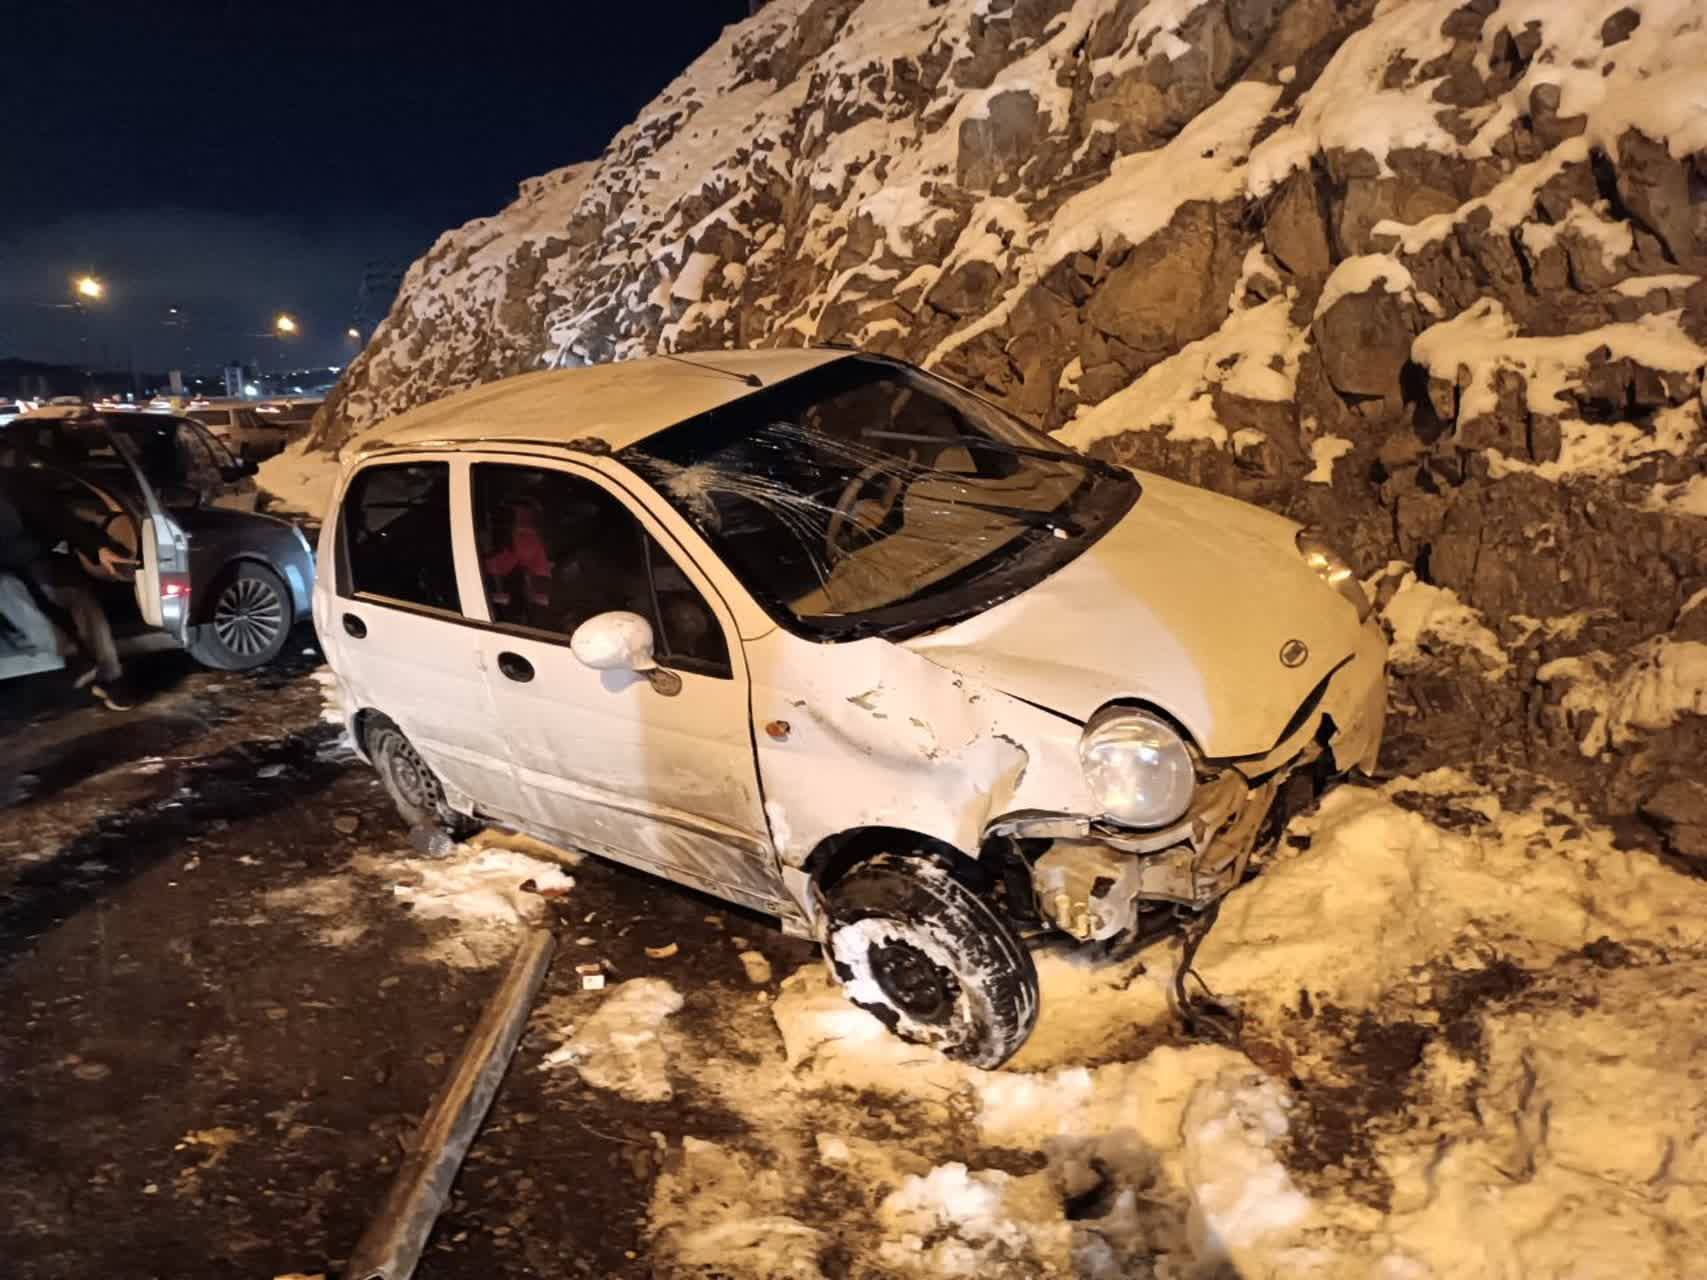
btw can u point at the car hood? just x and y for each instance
(1184, 604)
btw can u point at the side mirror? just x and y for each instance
(622, 641)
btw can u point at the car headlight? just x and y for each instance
(1137, 767)
(1334, 569)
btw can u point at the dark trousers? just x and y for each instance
(62, 584)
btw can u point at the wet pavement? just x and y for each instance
(201, 1084)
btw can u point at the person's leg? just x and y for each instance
(94, 633)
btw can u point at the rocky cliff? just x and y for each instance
(1427, 273)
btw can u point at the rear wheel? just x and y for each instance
(932, 960)
(248, 623)
(413, 786)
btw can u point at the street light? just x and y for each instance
(354, 333)
(84, 288)
(284, 325)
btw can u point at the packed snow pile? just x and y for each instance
(1500, 1083)
(619, 1047)
(1425, 273)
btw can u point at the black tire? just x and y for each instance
(934, 962)
(248, 623)
(410, 781)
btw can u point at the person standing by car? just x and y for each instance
(38, 543)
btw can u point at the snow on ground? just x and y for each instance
(484, 892)
(1544, 1120)
(1468, 1036)
(473, 903)
(300, 480)
(619, 1047)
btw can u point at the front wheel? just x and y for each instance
(930, 959)
(248, 623)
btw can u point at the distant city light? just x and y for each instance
(89, 287)
(355, 333)
(250, 389)
(285, 324)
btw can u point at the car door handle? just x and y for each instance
(516, 667)
(354, 626)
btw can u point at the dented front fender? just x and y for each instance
(868, 734)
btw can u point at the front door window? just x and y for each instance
(556, 549)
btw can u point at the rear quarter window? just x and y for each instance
(394, 540)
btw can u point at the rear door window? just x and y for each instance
(395, 539)
(557, 549)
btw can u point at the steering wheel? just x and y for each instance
(851, 512)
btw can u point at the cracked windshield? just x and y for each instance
(865, 497)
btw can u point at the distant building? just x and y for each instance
(237, 376)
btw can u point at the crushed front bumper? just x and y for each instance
(1092, 877)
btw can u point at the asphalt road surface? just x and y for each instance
(199, 1084)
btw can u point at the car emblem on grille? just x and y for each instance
(1294, 653)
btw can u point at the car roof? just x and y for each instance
(57, 413)
(89, 415)
(617, 403)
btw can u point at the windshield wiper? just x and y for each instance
(1084, 460)
(1020, 515)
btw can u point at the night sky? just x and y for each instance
(239, 159)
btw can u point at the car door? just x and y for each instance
(663, 777)
(397, 635)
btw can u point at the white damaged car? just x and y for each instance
(827, 636)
